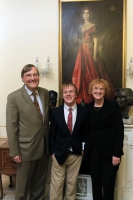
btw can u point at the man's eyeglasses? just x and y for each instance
(68, 92)
(28, 76)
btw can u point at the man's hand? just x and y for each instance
(17, 159)
(115, 161)
(82, 153)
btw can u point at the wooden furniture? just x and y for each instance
(7, 165)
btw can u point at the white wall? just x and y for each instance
(129, 81)
(30, 29)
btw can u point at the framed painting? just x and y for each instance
(84, 187)
(92, 44)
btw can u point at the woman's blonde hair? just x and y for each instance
(100, 81)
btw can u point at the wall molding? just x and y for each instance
(2, 140)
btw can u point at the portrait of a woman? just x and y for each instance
(88, 65)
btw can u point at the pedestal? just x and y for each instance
(124, 180)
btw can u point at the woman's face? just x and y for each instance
(98, 91)
(86, 14)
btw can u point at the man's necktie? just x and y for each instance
(69, 121)
(37, 105)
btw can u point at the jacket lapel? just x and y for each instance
(41, 94)
(29, 101)
(62, 117)
(77, 118)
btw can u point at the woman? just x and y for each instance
(87, 65)
(103, 147)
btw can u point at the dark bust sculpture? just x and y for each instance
(125, 100)
(53, 97)
(82, 102)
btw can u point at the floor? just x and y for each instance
(83, 188)
(9, 193)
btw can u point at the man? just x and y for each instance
(27, 123)
(66, 136)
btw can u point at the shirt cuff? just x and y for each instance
(83, 143)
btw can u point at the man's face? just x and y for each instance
(69, 95)
(31, 79)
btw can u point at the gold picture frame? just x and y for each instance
(109, 19)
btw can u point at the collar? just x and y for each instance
(67, 107)
(29, 91)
